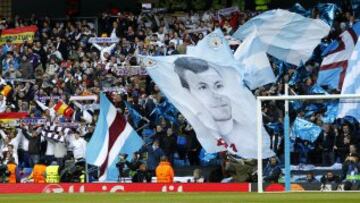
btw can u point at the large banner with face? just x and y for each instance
(205, 86)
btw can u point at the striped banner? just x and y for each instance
(333, 67)
(18, 35)
(112, 136)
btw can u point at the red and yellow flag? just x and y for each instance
(18, 35)
(10, 118)
(63, 109)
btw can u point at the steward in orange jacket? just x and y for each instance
(38, 173)
(11, 167)
(164, 171)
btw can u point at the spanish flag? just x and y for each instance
(12, 117)
(6, 90)
(18, 35)
(63, 109)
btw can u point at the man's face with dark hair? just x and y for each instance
(207, 87)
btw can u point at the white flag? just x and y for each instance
(206, 88)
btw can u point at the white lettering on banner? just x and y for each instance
(53, 188)
(117, 188)
(172, 188)
(56, 188)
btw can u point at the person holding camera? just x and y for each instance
(142, 175)
(121, 165)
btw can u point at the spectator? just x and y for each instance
(329, 181)
(153, 154)
(326, 145)
(310, 178)
(164, 171)
(78, 147)
(34, 145)
(142, 175)
(272, 171)
(197, 176)
(351, 170)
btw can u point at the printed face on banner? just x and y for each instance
(206, 84)
(212, 96)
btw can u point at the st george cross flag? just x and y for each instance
(206, 88)
(351, 86)
(287, 36)
(112, 136)
(333, 67)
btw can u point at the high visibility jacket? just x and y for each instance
(38, 173)
(52, 174)
(82, 177)
(261, 5)
(164, 172)
(353, 177)
(11, 167)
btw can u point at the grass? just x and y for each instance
(184, 198)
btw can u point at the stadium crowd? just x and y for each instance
(60, 63)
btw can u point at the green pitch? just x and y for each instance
(352, 197)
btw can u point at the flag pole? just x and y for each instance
(259, 145)
(287, 142)
(86, 172)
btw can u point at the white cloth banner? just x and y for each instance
(206, 88)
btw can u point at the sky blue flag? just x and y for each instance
(299, 9)
(166, 110)
(135, 115)
(305, 130)
(356, 7)
(299, 75)
(331, 112)
(326, 11)
(288, 36)
(280, 67)
(317, 89)
(276, 127)
(255, 65)
(310, 109)
(296, 104)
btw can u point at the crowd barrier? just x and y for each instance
(153, 187)
(122, 187)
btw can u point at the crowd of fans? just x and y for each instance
(60, 63)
